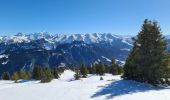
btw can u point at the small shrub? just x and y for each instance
(101, 78)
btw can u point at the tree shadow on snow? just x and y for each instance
(123, 87)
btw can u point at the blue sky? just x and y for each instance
(81, 16)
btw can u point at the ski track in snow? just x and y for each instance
(90, 88)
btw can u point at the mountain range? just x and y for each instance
(24, 51)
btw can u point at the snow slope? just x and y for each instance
(67, 75)
(91, 88)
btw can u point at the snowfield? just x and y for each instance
(91, 88)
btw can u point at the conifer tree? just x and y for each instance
(15, 77)
(28, 75)
(83, 71)
(55, 73)
(114, 69)
(120, 70)
(93, 69)
(107, 68)
(77, 75)
(148, 60)
(22, 74)
(89, 69)
(6, 76)
(100, 68)
(46, 75)
(37, 73)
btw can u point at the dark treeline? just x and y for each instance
(46, 74)
(98, 69)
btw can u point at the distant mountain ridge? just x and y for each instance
(27, 50)
(65, 38)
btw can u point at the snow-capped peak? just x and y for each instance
(66, 38)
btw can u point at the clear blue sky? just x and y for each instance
(81, 16)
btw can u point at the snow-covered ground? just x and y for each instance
(91, 88)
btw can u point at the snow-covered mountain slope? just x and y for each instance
(71, 50)
(59, 50)
(90, 88)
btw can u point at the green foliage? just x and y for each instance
(22, 74)
(115, 69)
(15, 77)
(149, 60)
(100, 68)
(77, 75)
(6, 76)
(107, 68)
(93, 69)
(46, 75)
(43, 73)
(55, 73)
(37, 72)
(83, 71)
(120, 70)
(28, 76)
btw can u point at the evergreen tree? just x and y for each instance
(120, 70)
(46, 75)
(130, 67)
(15, 77)
(89, 69)
(93, 69)
(149, 60)
(55, 73)
(43, 73)
(6, 76)
(83, 71)
(107, 68)
(77, 75)
(113, 68)
(28, 75)
(37, 73)
(100, 68)
(22, 74)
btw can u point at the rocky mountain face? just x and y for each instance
(28, 50)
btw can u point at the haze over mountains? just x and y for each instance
(43, 49)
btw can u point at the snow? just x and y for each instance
(4, 63)
(67, 75)
(3, 56)
(62, 64)
(120, 61)
(124, 41)
(90, 88)
(125, 49)
(107, 59)
(65, 38)
(19, 39)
